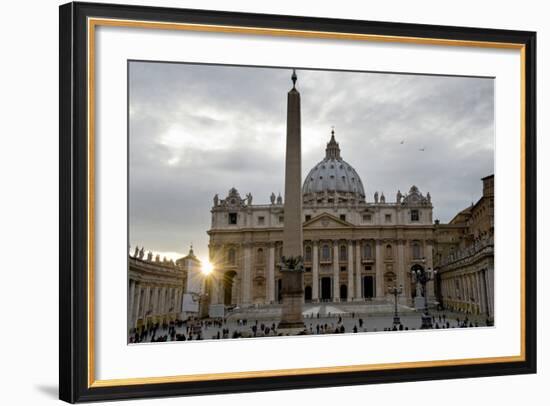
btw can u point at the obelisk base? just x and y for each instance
(292, 320)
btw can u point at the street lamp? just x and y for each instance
(423, 277)
(395, 291)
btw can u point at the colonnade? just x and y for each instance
(471, 291)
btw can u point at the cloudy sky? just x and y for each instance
(198, 130)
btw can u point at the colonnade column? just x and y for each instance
(335, 273)
(137, 302)
(131, 293)
(155, 300)
(350, 271)
(475, 287)
(482, 303)
(490, 284)
(147, 293)
(483, 284)
(271, 275)
(379, 270)
(315, 271)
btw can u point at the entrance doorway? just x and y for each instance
(326, 289)
(368, 286)
(307, 294)
(343, 292)
(279, 290)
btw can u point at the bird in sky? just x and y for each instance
(422, 149)
(402, 142)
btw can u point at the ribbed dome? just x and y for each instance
(333, 174)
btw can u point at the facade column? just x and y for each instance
(350, 271)
(271, 275)
(215, 290)
(379, 271)
(358, 271)
(428, 254)
(335, 273)
(401, 267)
(247, 273)
(315, 271)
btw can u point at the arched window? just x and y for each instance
(367, 251)
(388, 251)
(325, 253)
(308, 255)
(416, 252)
(343, 253)
(231, 256)
(260, 258)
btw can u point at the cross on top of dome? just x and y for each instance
(333, 149)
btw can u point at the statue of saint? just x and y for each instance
(136, 252)
(272, 198)
(382, 198)
(216, 200)
(398, 197)
(249, 199)
(149, 256)
(429, 197)
(375, 197)
(279, 199)
(141, 253)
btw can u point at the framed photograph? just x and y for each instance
(257, 202)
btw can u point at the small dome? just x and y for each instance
(333, 174)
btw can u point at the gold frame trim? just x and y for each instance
(94, 22)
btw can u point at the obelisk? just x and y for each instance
(292, 263)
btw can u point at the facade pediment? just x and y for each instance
(326, 220)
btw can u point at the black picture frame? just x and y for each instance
(73, 255)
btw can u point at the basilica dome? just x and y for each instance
(333, 175)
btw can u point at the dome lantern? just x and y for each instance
(333, 149)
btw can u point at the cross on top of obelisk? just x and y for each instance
(294, 78)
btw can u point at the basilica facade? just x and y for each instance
(354, 249)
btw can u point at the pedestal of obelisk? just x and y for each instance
(292, 270)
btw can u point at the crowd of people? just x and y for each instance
(221, 328)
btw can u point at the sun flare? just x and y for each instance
(207, 268)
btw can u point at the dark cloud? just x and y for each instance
(197, 130)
